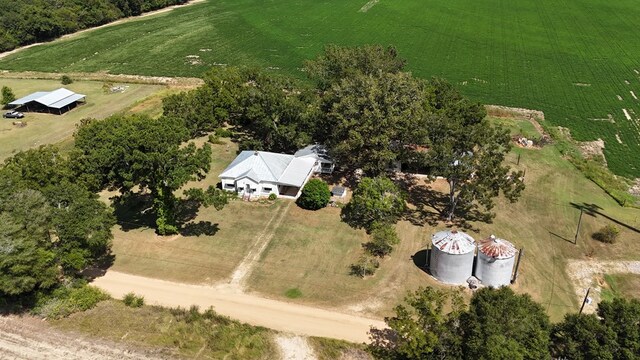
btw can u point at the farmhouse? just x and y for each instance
(55, 102)
(261, 173)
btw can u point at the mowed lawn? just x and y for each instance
(49, 128)
(579, 62)
(310, 252)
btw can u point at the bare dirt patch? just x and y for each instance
(592, 149)
(34, 339)
(584, 275)
(294, 347)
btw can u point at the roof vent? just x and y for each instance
(454, 231)
(255, 153)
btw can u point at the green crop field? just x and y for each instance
(578, 61)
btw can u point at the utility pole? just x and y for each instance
(515, 275)
(585, 300)
(575, 240)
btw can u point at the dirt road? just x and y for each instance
(33, 339)
(228, 300)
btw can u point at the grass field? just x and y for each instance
(579, 62)
(309, 255)
(49, 128)
(621, 285)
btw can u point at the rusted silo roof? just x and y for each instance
(496, 248)
(453, 242)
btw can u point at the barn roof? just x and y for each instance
(56, 99)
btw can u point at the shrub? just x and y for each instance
(608, 234)
(65, 301)
(222, 132)
(365, 266)
(273, 196)
(315, 195)
(293, 293)
(215, 139)
(383, 238)
(66, 80)
(7, 95)
(133, 300)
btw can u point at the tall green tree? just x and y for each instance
(375, 201)
(209, 106)
(275, 113)
(370, 122)
(27, 260)
(53, 226)
(503, 325)
(613, 333)
(421, 328)
(7, 95)
(469, 152)
(124, 152)
(338, 62)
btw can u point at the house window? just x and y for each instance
(266, 189)
(230, 186)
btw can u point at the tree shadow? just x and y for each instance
(429, 206)
(134, 211)
(595, 210)
(99, 268)
(199, 228)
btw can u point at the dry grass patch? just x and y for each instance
(179, 332)
(49, 128)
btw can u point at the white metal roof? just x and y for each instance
(296, 173)
(55, 99)
(261, 166)
(453, 242)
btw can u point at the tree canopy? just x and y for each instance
(28, 21)
(123, 152)
(52, 225)
(469, 152)
(370, 122)
(498, 324)
(375, 201)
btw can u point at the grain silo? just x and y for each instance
(496, 258)
(452, 255)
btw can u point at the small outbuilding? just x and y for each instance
(496, 258)
(451, 259)
(55, 102)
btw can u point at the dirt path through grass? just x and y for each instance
(243, 270)
(30, 338)
(119, 21)
(249, 308)
(585, 272)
